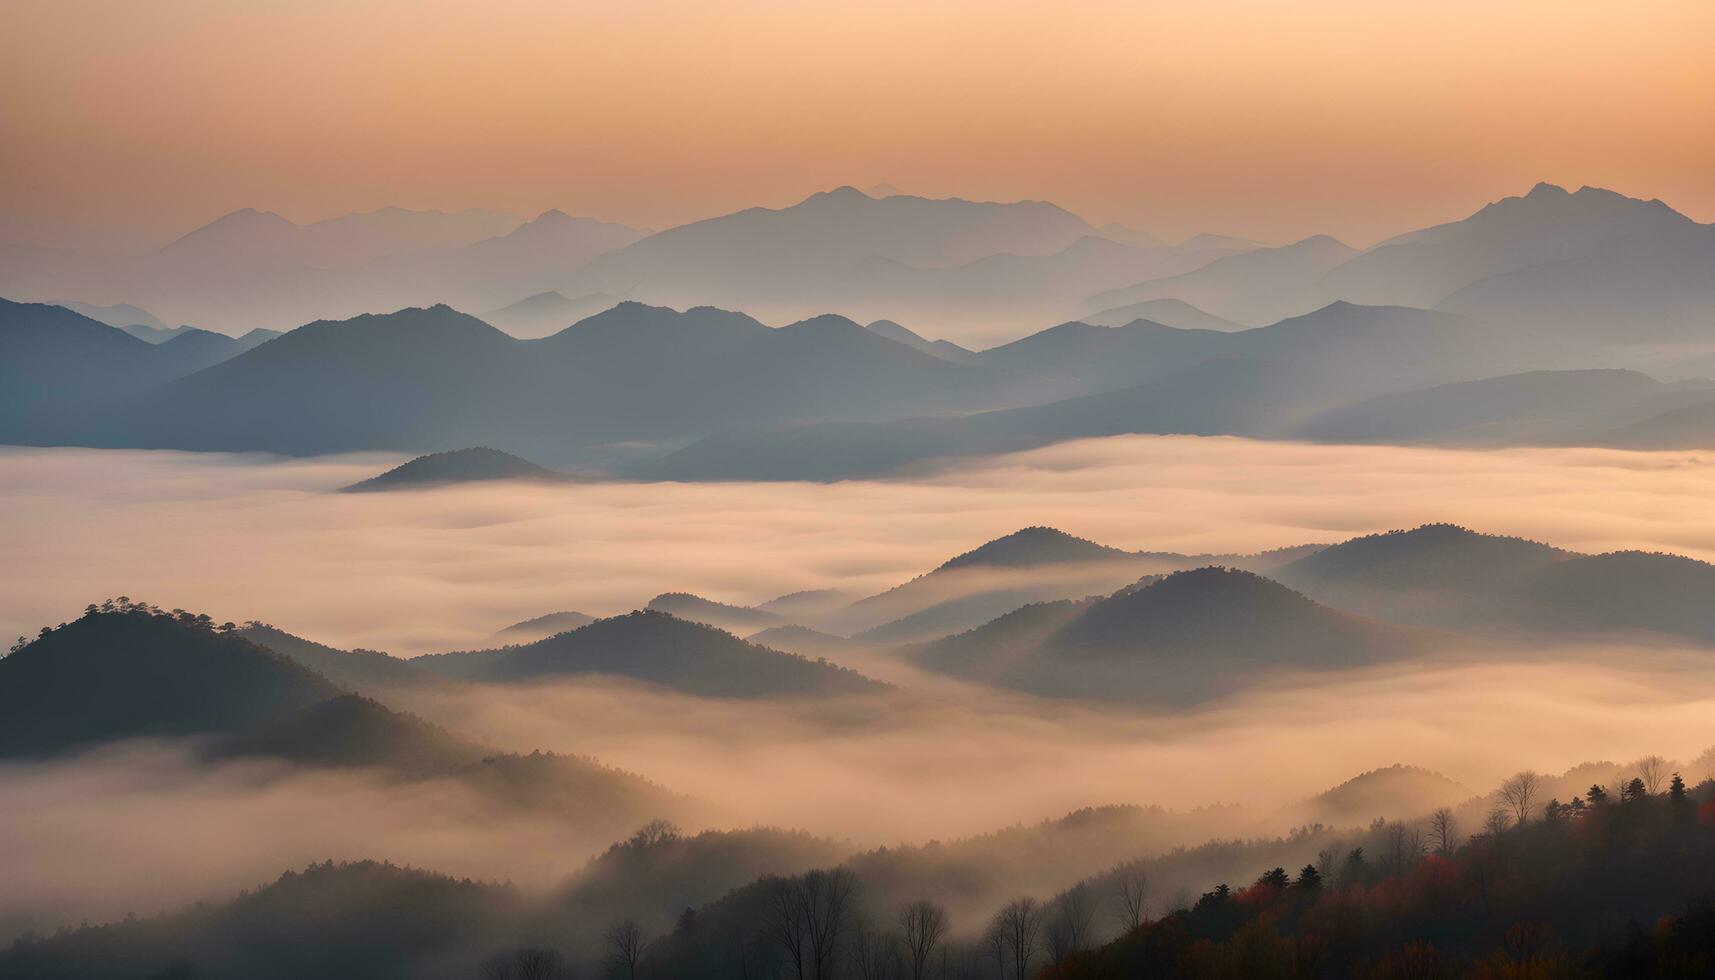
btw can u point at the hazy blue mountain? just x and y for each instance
(1264, 382)
(476, 465)
(363, 671)
(661, 649)
(542, 627)
(547, 313)
(423, 379)
(940, 348)
(1532, 407)
(417, 379)
(1175, 313)
(998, 294)
(1033, 546)
(739, 620)
(122, 315)
(1628, 590)
(1254, 287)
(127, 674)
(1587, 265)
(57, 365)
(805, 642)
(1183, 636)
(809, 258)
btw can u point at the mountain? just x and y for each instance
(122, 315)
(1264, 382)
(1033, 546)
(1536, 407)
(1174, 313)
(363, 671)
(660, 649)
(1179, 637)
(476, 465)
(542, 627)
(1443, 575)
(998, 294)
(1031, 565)
(112, 675)
(794, 262)
(940, 348)
(56, 365)
(1254, 287)
(254, 268)
(422, 379)
(352, 731)
(1396, 792)
(417, 379)
(546, 313)
(696, 609)
(1586, 265)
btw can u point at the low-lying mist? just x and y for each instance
(414, 572)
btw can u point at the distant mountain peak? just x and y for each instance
(476, 464)
(1034, 546)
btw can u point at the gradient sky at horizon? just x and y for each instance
(127, 123)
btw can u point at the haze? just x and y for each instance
(129, 124)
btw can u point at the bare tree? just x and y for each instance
(1519, 794)
(1497, 822)
(874, 954)
(1131, 888)
(1653, 769)
(625, 945)
(1443, 830)
(1068, 922)
(497, 967)
(1020, 927)
(810, 915)
(994, 941)
(923, 924)
(537, 963)
(1402, 847)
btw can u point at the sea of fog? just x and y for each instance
(144, 826)
(250, 537)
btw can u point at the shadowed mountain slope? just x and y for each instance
(660, 649)
(127, 674)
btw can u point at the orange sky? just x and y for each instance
(124, 122)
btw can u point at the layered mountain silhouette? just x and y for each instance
(546, 313)
(657, 648)
(1175, 313)
(739, 620)
(1177, 637)
(1448, 576)
(1396, 792)
(1590, 266)
(1265, 382)
(476, 465)
(369, 672)
(424, 379)
(57, 366)
(542, 627)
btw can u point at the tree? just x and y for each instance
(1069, 921)
(1676, 790)
(923, 925)
(1309, 879)
(1443, 831)
(1519, 794)
(874, 955)
(1497, 822)
(1652, 771)
(625, 945)
(1020, 928)
(537, 963)
(1276, 878)
(1596, 795)
(1131, 887)
(810, 916)
(1634, 791)
(1404, 846)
